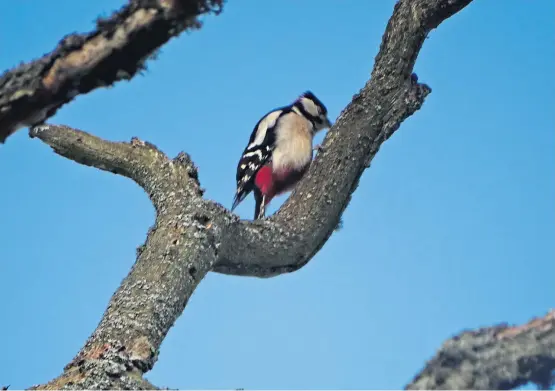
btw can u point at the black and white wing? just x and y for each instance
(257, 153)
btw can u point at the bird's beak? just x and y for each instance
(329, 123)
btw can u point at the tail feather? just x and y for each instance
(260, 202)
(237, 200)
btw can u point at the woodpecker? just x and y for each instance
(279, 151)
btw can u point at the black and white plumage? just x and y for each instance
(279, 151)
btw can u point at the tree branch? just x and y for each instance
(178, 253)
(138, 160)
(494, 358)
(192, 236)
(289, 239)
(116, 50)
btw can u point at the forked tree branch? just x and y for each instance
(179, 251)
(116, 50)
(493, 358)
(193, 236)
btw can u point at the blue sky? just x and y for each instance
(451, 228)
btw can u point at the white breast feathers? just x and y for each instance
(293, 143)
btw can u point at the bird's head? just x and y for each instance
(315, 111)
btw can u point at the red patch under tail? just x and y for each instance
(265, 182)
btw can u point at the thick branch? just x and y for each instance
(287, 241)
(193, 236)
(178, 253)
(494, 358)
(116, 50)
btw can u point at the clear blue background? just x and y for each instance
(451, 228)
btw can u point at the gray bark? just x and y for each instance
(193, 236)
(116, 50)
(493, 358)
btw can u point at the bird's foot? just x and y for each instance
(318, 148)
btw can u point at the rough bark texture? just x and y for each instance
(494, 358)
(193, 236)
(116, 50)
(179, 251)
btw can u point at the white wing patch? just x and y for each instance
(266, 123)
(257, 152)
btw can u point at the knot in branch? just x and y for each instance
(186, 162)
(417, 93)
